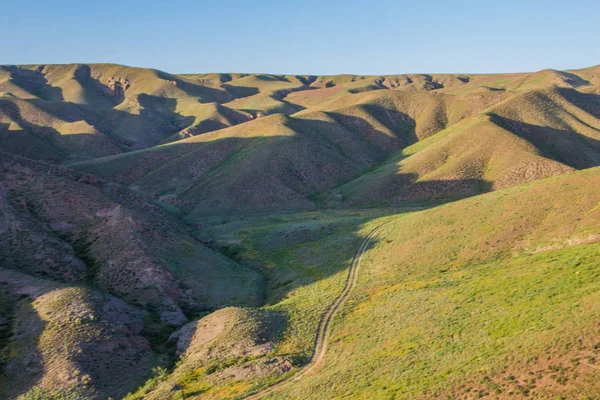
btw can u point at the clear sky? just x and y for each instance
(305, 37)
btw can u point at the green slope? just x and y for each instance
(494, 296)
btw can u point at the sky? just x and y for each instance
(305, 37)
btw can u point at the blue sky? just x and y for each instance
(305, 37)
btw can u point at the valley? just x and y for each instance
(231, 236)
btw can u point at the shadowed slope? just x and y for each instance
(51, 132)
(526, 137)
(135, 108)
(69, 341)
(91, 231)
(272, 162)
(281, 162)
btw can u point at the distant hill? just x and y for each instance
(302, 142)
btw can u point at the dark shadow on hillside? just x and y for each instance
(238, 92)
(401, 124)
(46, 144)
(97, 94)
(430, 83)
(156, 121)
(34, 82)
(230, 116)
(301, 242)
(114, 345)
(574, 80)
(31, 140)
(588, 102)
(441, 190)
(569, 147)
(19, 375)
(275, 172)
(205, 94)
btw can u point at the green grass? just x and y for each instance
(304, 257)
(472, 297)
(459, 298)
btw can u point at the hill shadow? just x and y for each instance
(290, 236)
(566, 146)
(31, 357)
(205, 94)
(35, 82)
(401, 124)
(96, 93)
(588, 102)
(31, 140)
(47, 144)
(155, 122)
(239, 92)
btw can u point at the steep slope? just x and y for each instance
(69, 341)
(492, 296)
(74, 228)
(123, 106)
(272, 162)
(50, 131)
(526, 137)
(115, 108)
(209, 117)
(231, 343)
(281, 162)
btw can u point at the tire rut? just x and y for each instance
(320, 343)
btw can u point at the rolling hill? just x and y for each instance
(196, 230)
(378, 146)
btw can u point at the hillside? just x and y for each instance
(529, 136)
(397, 139)
(492, 297)
(69, 341)
(99, 232)
(434, 235)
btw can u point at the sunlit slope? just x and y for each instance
(493, 296)
(266, 163)
(281, 161)
(130, 108)
(528, 136)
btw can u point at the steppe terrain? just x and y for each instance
(229, 235)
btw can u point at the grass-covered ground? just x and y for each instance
(494, 296)
(487, 297)
(304, 258)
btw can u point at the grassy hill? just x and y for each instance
(194, 229)
(69, 342)
(494, 296)
(526, 137)
(128, 245)
(371, 148)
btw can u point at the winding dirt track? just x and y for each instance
(320, 345)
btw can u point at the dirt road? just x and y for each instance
(320, 346)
